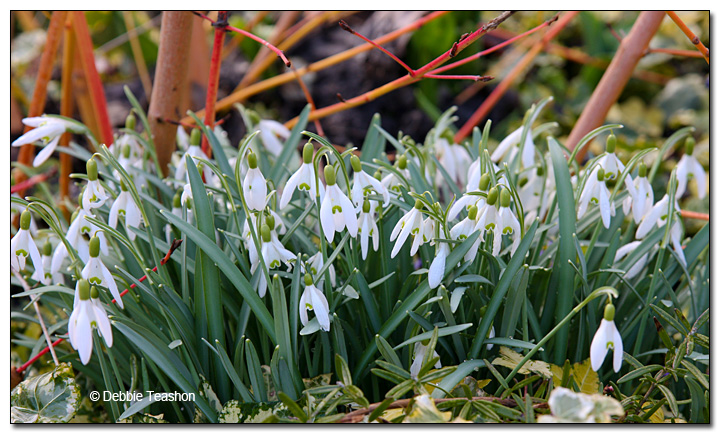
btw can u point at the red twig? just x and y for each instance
(494, 47)
(214, 77)
(175, 244)
(275, 49)
(460, 77)
(349, 29)
(691, 36)
(33, 180)
(97, 93)
(309, 99)
(695, 215)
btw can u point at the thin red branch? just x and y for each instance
(460, 77)
(695, 215)
(309, 99)
(691, 36)
(20, 186)
(214, 77)
(251, 36)
(349, 29)
(97, 92)
(175, 244)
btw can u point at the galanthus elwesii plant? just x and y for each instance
(295, 279)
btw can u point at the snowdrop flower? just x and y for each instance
(487, 218)
(606, 337)
(273, 254)
(193, 151)
(94, 195)
(303, 179)
(512, 144)
(612, 165)
(177, 211)
(657, 216)
(596, 192)
(531, 189)
(437, 267)
(22, 245)
(48, 276)
(125, 206)
(454, 158)
(336, 211)
(361, 182)
(48, 130)
(79, 227)
(475, 174)
(687, 168)
(392, 181)
(642, 201)
(367, 228)
(270, 134)
(16, 208)
(315, 264)
(87, 313)
(254, 185)
(466, 228)
(626, 250)
(182, 138)
(469, 200)
(98, 274)
(313, 299)
(420, 350)
(410, 224)
(508, 224)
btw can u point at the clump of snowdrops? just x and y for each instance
(290, 279)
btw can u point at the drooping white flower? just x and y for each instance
(362, 182)
(48, 277)
(642, 200)
(273, 254)
(392, 182)
(336, 211)
(510, 145)
(410, 224)
(254, 185)
(94, 195)
(419, 351)
(607, 337)
(125, 206)
(596, 192)
(627, 249)
(314, 264)
(537, 191)
(688, 168)
(507, 224)
(193, 151)
(87, 313)
(177, 211)
(313, 299)
(97, 273)
(469, 200)
(270, 134)
(48, 130)
(80, 226)
(488, 218)
(437, 267)
(657, 216)
(464, 229)
(303, 179)
(454, 159)
(23, 246)
(367, 228)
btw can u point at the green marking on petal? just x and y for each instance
(304, 187)
(336, 209)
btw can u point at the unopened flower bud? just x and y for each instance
(47, 249)
(130, 121)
